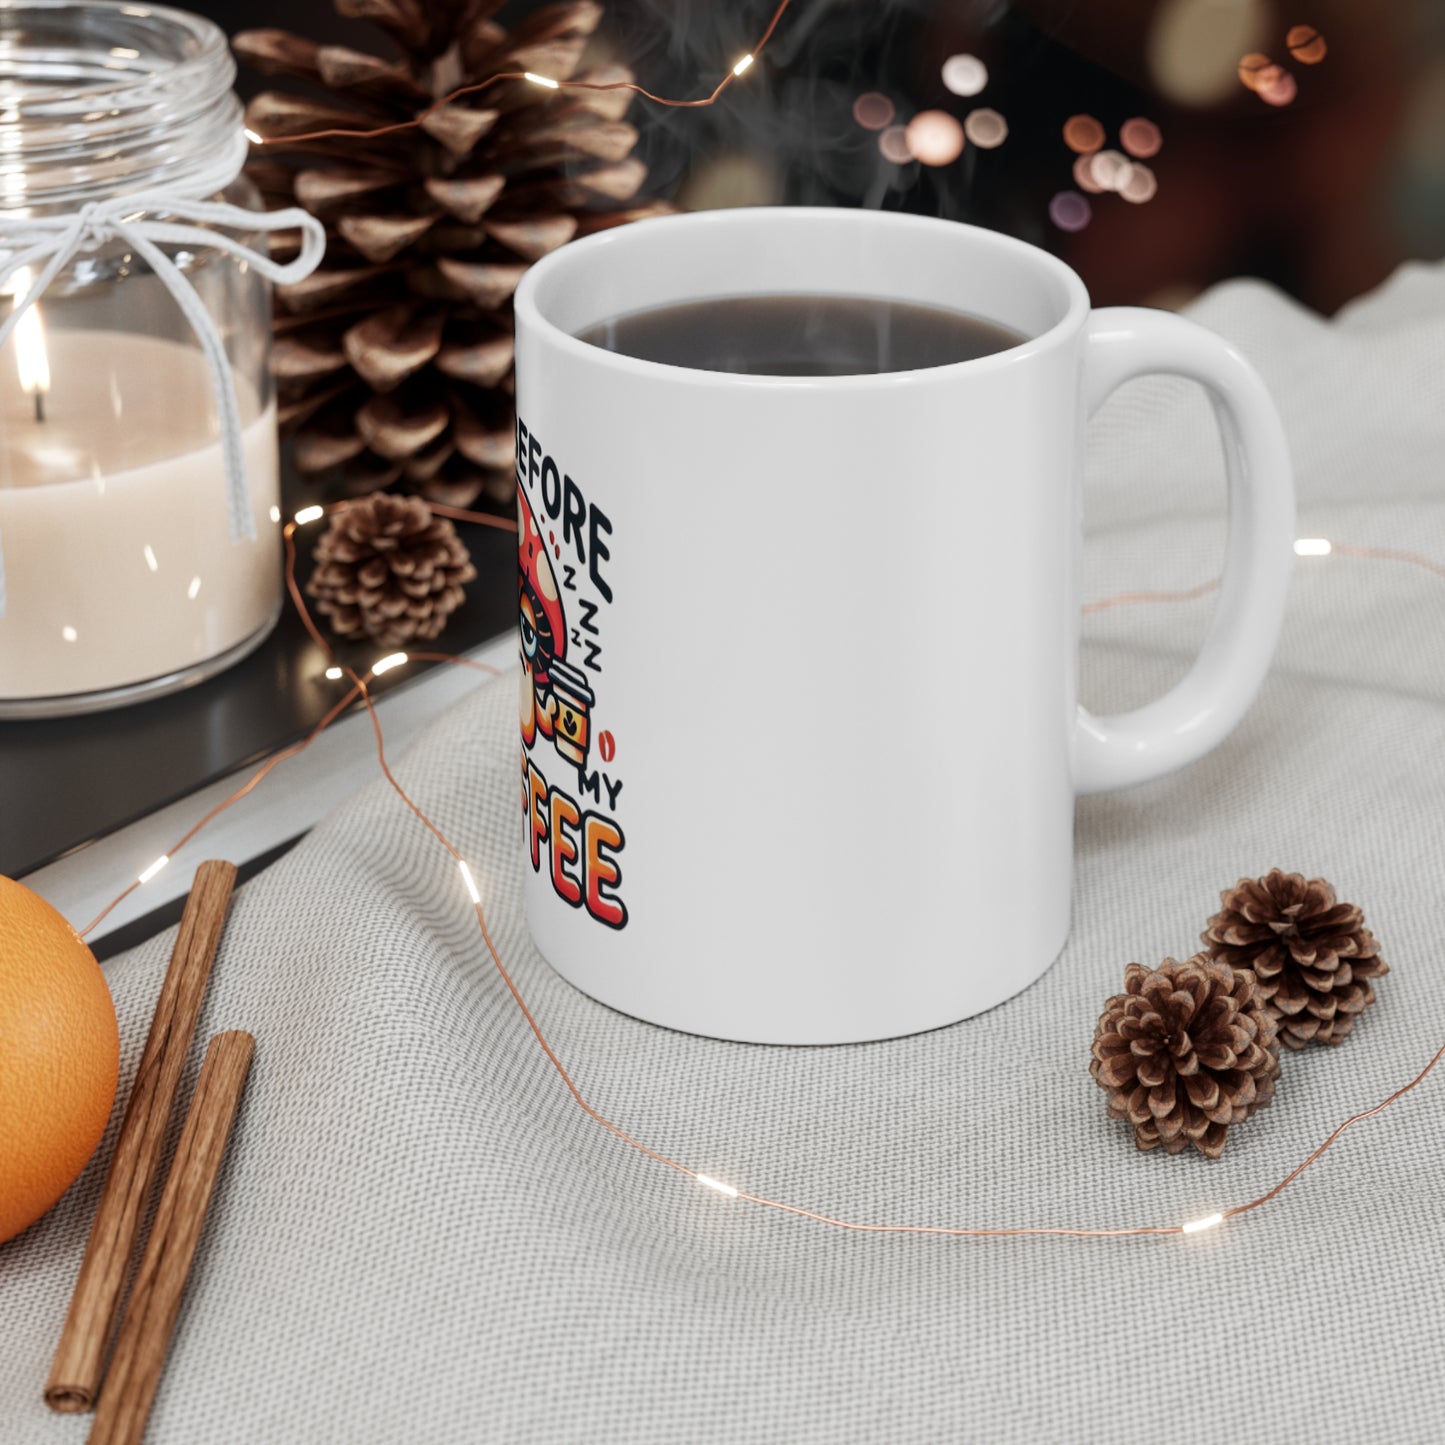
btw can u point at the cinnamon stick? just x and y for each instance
(155, 1298)
(79, 1362)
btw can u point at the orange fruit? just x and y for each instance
(59, 1056)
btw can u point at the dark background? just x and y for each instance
(1323, 196)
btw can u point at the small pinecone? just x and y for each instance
(1185, 1051)
(393, 360)
(1313, 957)
(388, 570)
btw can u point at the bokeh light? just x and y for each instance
(1140, 185)
(1140, 137)
(985, 128)
(965, 74)
(1306, 44)
(872, 110)
(1265, 74)
(1083, 134)
(1110, 170)
(893, 142)
(1070, 211)
(1252, 66)
(1084, 175)
(934, 137)
(1194, 46)
(1277, 87)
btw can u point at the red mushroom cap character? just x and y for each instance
(539, 594)
(541, 623)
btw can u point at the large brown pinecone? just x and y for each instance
(387, 569)
(1313, 956)
(394, 360)
(1185, 1051)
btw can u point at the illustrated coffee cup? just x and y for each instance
(574, 699)
(820, 634)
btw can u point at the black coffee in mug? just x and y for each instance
(801, 335)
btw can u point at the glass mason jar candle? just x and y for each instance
(139, 507)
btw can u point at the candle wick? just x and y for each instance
(39, 404)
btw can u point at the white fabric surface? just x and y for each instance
(418, 1236)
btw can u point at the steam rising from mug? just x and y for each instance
(793, 138)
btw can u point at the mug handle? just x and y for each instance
(1203, 708)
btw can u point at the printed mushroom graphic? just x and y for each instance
(542, 626)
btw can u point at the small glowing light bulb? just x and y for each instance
(332, 674)
(309, 514)
(469, 880)
(385, 664)
(1196, 1225)
(1313, 547)
(742, 64)
(709, 1182)
(541, 80)
(155, 868)
(256, 140)
(275, 513)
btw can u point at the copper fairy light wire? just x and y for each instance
(1131, 599)
(360, 690)
(596, 1114)
(1348, 1123)
(480, 519)
(546, 82)
(1304, 547)
(305, 515)
(1388, 554)
(253, 782)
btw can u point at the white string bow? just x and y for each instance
(52, 242)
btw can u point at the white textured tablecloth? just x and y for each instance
(418, 1236)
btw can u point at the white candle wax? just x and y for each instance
(114, 522)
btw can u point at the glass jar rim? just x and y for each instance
(104, 97)
(209, 40)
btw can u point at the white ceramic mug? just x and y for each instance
(800, 654)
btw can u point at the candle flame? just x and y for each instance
(31, 359)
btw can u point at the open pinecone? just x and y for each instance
(387, 569)
(1185, 1051)
(394, 359)
(1313, 956)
